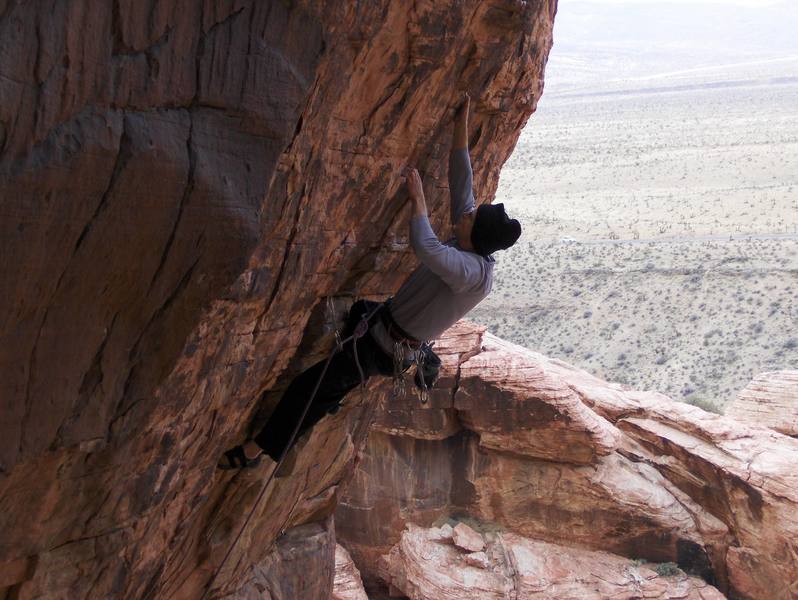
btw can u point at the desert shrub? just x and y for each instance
(667, 569)
(704, 404)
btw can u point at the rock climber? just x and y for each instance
(453, 278)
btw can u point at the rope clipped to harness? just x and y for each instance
(360, 330)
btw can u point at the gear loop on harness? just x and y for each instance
(361, 329)
(339, 343)
(423, 391)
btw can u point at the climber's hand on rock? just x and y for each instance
(413, 180)
(465, 105)
(460, 139)
(416, 190)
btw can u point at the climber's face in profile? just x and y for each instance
(462, 230)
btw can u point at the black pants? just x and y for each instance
(342, 376)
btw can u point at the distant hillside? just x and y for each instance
(595, 44)
(661, 136)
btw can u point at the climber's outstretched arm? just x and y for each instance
(461, 271)
(460, 138)
(416, 190)
(460, 174)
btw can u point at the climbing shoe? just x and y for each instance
(236, 459)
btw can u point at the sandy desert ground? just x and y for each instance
(660, 244)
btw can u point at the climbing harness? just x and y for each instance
(359, 331)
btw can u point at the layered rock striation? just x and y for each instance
(347, 584)
(183, 183)
(426, 565)
(541, 449)
(771, 399)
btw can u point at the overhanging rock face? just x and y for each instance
(181, 183)
(542, 449)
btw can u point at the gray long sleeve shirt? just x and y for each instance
(450, 281)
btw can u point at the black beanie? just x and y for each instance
(493, 230)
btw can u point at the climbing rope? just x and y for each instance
(360, 330)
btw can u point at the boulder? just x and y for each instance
(771, 400)
(465, 538)
(347, 584)
(477, 559)
(512, 566)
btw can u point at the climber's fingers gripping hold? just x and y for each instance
(416, 190)
(414, 185)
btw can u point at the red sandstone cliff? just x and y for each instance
(181, 183)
